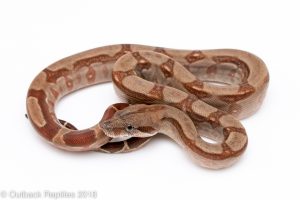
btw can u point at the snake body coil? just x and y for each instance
(195, 95)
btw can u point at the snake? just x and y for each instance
(195, 97)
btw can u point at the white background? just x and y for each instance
(34, 34)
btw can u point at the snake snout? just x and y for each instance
(107, 125)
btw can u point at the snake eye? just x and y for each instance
(129, 128)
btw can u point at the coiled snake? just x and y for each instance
(190, 96)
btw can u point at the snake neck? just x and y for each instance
(179, 126)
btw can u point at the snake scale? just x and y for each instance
(195, 97)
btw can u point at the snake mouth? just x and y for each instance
(112, 134)
(120, 139)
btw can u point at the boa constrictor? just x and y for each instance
(190, 96)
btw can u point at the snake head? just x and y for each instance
(133, 121)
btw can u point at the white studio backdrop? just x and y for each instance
(34, 34)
